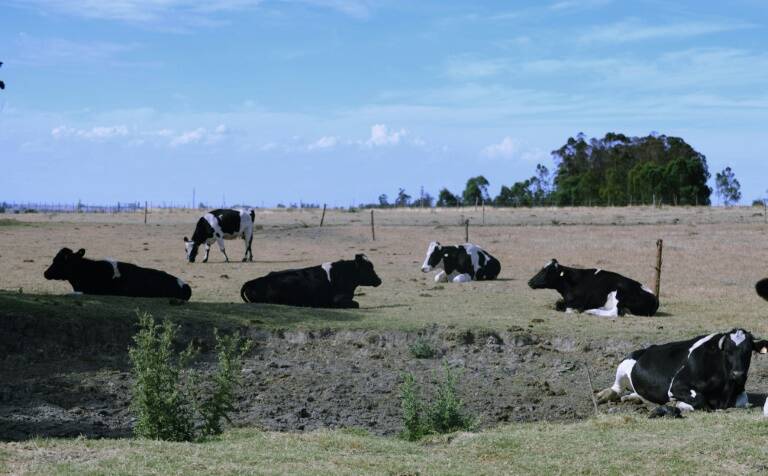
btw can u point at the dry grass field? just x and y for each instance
(712, 259)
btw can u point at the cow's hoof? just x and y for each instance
(607, 395)
(244, 260)
(632, 398)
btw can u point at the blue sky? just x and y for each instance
(338, 101)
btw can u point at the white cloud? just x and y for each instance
(510, 148)
(325, 142)
(201, 135)
(98, 133)
(382, 136)
(633, 30)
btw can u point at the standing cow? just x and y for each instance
(704, 373)
(460, 264)
(327, 285)
(220, 225)
(595, 291)
(115, 278)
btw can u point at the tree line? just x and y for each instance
(616, 170)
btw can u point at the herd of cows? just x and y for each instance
(703, 373)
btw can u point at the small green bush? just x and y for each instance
(166, 404)
(445, 414)
(422, 348)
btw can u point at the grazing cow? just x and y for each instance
(327, 285)
(595, 291)
(762, 288)
(460, 264)
(703, 373)
(220, 225)
(115, 278)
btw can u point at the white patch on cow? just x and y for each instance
(669, 390)
(646, 290)
(742, 401)
(720, 342)
(562, 273)
(609, 309)
(462, 278)
(180, 283)
(115, 271)
(426, 268)
(738, 337)
(684, 407)
(570, 310)
(699, 343)
(441, 277)
(474, 254)
(598, 270)
(765, 408)
(624, 376)
(693, 393)
(327, 268)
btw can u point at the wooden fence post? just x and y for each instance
(466, 230)
(657, 283)
(373, 230)
(145, 212)
(322, 218)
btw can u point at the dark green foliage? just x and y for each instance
(445, 414)
(230, 351)
(162, 408)
(165, 404)
(476, 191)
(403, 199)
(727, 186)
(447, 199)
(533, 191)
(622, 170)
(422, 348)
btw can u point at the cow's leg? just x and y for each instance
(765, 408)
(623, 380)
(441, 277)
(633, 397)
(207, 250)
(220, 242)
(462, 278)
(248, 252)
(683, 396)
(345, 302)
(742, 401)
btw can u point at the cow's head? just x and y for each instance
(549, 277)
(366, 276)
(737, 347)
(191, 249)
(64, 264)
(434, 257)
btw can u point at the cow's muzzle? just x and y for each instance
(426, 269)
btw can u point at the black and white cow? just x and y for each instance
(115, 278)
(704, 373)
(220, 225)
(327, 285)
(460, 264)
(595, 291)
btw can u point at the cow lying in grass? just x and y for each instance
(326, 285)
(460, 264)
(595, 291)
(115, 278)
(703, 373)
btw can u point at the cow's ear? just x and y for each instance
(761, 346)
(555, 263)
(360, 258)
(80, 253)
(186, 239)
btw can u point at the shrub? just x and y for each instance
(422, 348)
(445, 414)
(165, 404)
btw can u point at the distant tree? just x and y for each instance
(476, 190)
(519, 194)
(727, 186)
(383, 200)
(447, 199)
(425, 201)
(403, 199)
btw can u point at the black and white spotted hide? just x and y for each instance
(220, 225)
(460, 264)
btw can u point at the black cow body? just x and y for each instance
(762, 288)
(327, 285)
(460, 264)
(595, 291)
(115, 278)
(703, 373)
(220, 225)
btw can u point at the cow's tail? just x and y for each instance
(244, 293)
(253, 216)
(762, 288)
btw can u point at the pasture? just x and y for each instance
(522, 361)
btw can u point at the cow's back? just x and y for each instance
(655, 367)
(137, 281)
(308, 287)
